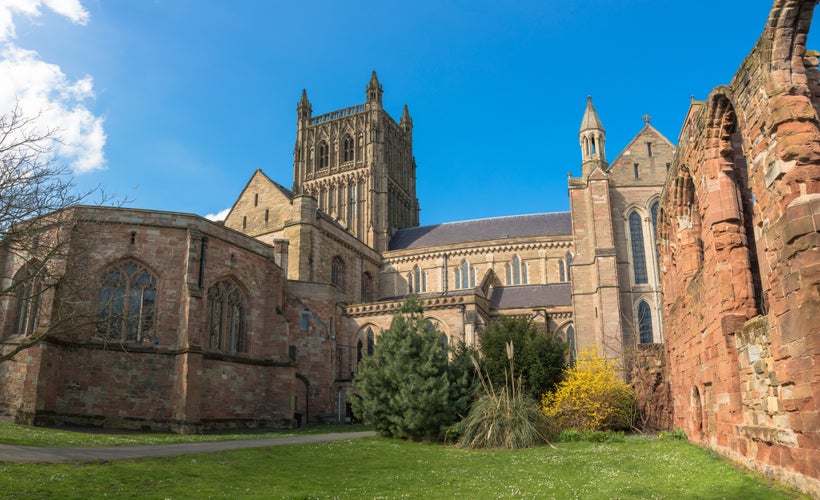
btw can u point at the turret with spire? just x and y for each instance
(374, 90)
(592, 137)
(304, 109)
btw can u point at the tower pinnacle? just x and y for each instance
(592, 137)
(374, 90)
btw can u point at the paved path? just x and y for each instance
(36, 454)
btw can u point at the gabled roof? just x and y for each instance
(512, 297)
(648, 129)
(287, 192)
(513, 226)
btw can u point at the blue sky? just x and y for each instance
(174, 104)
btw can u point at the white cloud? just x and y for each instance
(41, 87)
(219, 215)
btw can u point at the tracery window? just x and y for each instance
(337, 269)
(125, 308)
(561, 274)
(371, 341)
(347, 148)
(225, 323)
(28, 295)
(324, 155)
(465, 276)
(637, 245)
(516, 271)
(644, 322)
(569, 266)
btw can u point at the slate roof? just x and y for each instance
(511, 297)
(513, 226)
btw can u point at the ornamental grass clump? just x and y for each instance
(591, 397)
(507, 418)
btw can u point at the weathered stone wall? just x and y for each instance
(650, 380)
(739, 255)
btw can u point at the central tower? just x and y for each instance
(358, 163)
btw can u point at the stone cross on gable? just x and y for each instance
(647, 118)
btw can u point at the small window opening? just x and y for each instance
(256, 199)
(244, 222)
(133, 237)
(636, 171)
(649, 149)
(267, 215)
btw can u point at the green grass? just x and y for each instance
(383, 468)
(22, 435)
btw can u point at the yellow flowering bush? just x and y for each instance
(591, 397)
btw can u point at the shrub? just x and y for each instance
(507, 418)
(591, 397)
(408, 388)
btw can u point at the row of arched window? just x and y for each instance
(352, 150)
(126, 309)
(337, 278)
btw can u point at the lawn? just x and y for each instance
(384, 468)
(22, 435)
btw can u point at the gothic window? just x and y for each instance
(569, 266)
(125, 308)
(359, 147)
(29, 292)
(225, 322)
(465, 276)
(337, 270)
(637, 244)
(653, 209)
(561, 275)
(359, 348)
(367, 287)
(371, 341)
(418, 280)
(644, 322)
(347, 148)
(516, 271)
(324, 155)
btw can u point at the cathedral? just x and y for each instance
(694, 266)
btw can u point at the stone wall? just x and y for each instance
(739, 256)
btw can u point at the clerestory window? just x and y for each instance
(637, 246)
(28, 295)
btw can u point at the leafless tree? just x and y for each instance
(39, 288)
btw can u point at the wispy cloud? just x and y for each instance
(219, 215)
(42, 87)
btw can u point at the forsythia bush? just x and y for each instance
(591, 397)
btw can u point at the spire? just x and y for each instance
(592, 138)
(304, 109)
(374, 90)
(591, 120)
(406, 120)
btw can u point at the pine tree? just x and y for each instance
(408, 388)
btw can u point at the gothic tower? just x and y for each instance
(358, 163)
(595, 292)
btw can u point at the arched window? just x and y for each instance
(465, 276)
(348, 148)
(561, 275)
(637, 244)
(569, 266)
(516, 271)
(571, 345)
(225, 323)
(371, 341)
(29, 293)
(337, 269)
(125, 308)
(367, 287)
(644, 322)
(359, 347)
(418, 280)
(653, 209)
(324, 155)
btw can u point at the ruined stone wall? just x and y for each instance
(739, 256)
